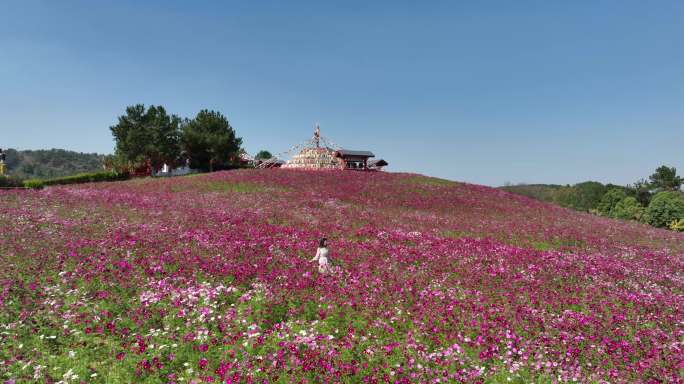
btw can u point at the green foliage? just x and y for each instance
(619, 202)
(641, 190)
(243, 187)
(210, 142)
(34, 183)
(665, 207)
(609, 200)
(310, 310)
(582, 197)
(10, 182)
(116, 162)
(543, 192)
(148, 136)
(263, 155)
(430, 181)
(274, 314)
(43, 164)
(588, 194)
(76, 179)
(627, 209)
(665, 179)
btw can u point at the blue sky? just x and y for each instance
(484, 92)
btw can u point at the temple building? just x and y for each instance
(353, 159)
(315, 156)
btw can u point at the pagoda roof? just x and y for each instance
(349, 152)
(377, 163)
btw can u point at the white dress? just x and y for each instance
(322, 257)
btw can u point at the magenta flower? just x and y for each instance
(448, 281)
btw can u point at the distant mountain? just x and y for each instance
(49, 163)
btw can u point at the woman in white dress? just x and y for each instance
(322, 256)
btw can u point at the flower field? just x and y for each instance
(206, 279)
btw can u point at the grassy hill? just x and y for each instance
(208, 278)
(50, 163)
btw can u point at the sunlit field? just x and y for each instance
(207, 279)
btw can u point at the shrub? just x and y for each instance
(9, 182)
(665, 207)
(34, 183)
(609, 200)
(77, 179)
(627, 209)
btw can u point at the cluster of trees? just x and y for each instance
(657, 201)
(263, 155)
(50, 163)
(149, 138)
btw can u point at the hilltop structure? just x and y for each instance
(319, 153)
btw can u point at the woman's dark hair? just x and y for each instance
(321, 242)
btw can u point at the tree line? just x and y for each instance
(50, 163)
(657, 201)
(148, 138)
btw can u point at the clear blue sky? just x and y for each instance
(485, 92)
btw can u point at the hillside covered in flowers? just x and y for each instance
(207, 278)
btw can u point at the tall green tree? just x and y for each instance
(263, 155)
(147, 136)
(209, 141)
(665, 179)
